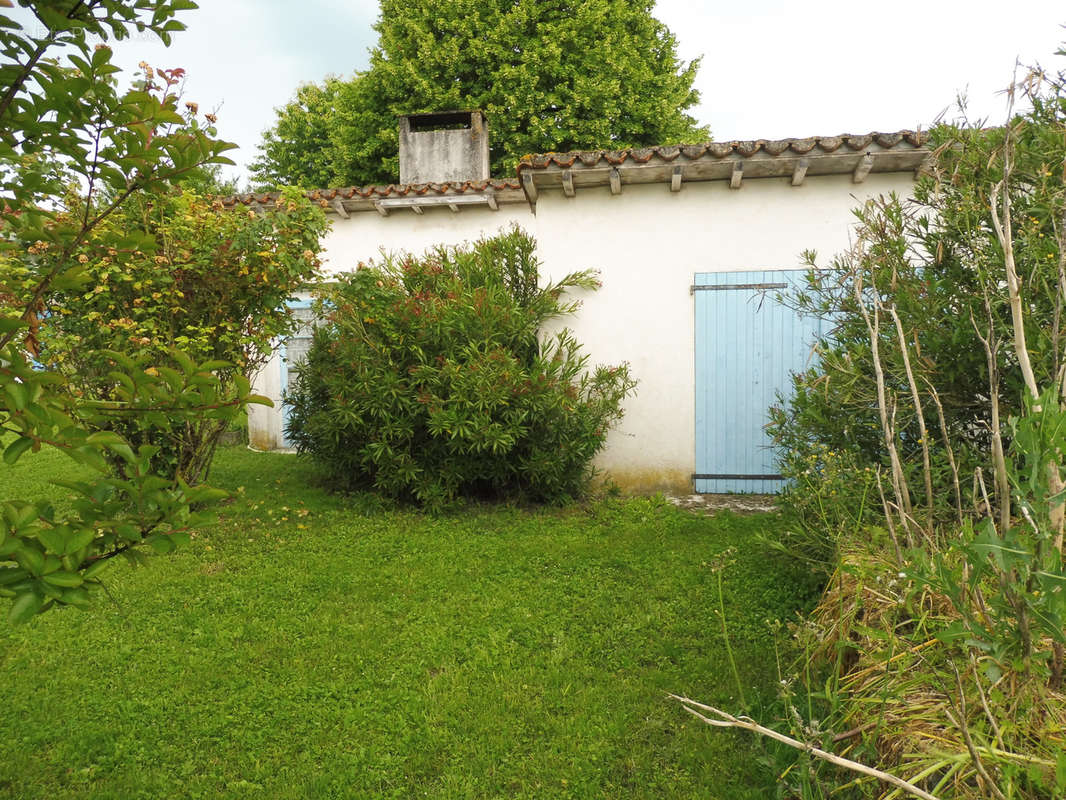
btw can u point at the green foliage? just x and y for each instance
(550, 77)
(828, 499)
(191, 275)
(945, 617)
(936, 263)
(429, 380)
(55, 556)
(64, 124)
(882, 682)
(1008, 587)
(174, 271)
(299, 149)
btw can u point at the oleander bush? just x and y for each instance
(431, 378)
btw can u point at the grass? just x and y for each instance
(316, 646)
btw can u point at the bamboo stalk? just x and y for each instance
(999, 460)
(924, 438)
(947, 448)
(889, 518)
(1005, 234)
(984, 702)
(960, 723)
(898, 479)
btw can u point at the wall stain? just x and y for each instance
(649, 481)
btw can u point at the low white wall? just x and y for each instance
(647, 242)
(264, 424)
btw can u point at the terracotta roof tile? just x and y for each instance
(375, 192)
(745, 148)
(590, 158)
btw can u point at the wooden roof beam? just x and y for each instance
(799, 172)
(675, 179)
(419, 203)
(862, 169)
(737, 176)
(568, 183)
(338, 206)
(616, 181)
(529, 187)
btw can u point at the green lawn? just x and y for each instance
(315, 646)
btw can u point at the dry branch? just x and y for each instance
(724, 720)
(924, 438)
(948, 449)
(899, 482)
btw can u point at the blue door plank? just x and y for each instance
(747, 346)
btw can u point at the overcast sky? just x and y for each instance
(772, 69)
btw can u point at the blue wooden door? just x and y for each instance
(747, 346)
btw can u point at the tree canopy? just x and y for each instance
(550, 76)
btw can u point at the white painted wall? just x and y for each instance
(647, 243)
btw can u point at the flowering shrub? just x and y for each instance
(428, 379)
(176, 270)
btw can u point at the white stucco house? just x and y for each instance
(694, 243)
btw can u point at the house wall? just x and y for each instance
(647, 242)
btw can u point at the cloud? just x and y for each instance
(785, 69)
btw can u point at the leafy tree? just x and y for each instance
(300, 143)
(208, 281)
(429, 379)
(64, 125)
(210, 180)
(550, 76)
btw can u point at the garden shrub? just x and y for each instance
(176, 270)
(429, 379)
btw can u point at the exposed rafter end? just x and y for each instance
(454, 208)
(338, 206)
(675, 179)
(866, 163)
(529, 188)
(495, 206)
(381, 209)
(737, 176)
(799, 172)
(568, 182)
(418, 210)
(616, 181)
(925, 168)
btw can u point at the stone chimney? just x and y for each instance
(444, 146)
